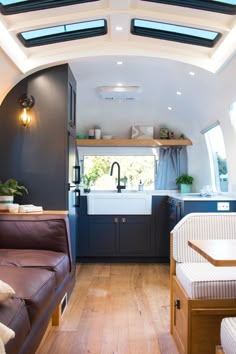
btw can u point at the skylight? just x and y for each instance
(223, 6)
(66, 32)
(8, 7)
(173, 32)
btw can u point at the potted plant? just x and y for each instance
(185, 182)
(8, 190)
(88, 180)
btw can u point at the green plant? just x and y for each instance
(11, 187)
(89, 180)
(184, 179)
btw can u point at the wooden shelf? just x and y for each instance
(133, 142)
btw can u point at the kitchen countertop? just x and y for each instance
(176, 194)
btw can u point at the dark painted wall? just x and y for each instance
(37, 155)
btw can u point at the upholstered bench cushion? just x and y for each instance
(205, 281)
(54, 261)
(35, 286)
(13, 314)
(228, 335)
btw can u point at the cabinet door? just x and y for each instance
(103, 235)
(160, 212)
(135, 235)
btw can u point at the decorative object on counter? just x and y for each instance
(140, 186)
(8, 189)
(13, 208)
(181, 136)
(29, 208)
(171, 135)
(185, 182)
(107, 137)
(207, 191)
(164, 133)
(81, 136)
(97, 133)
(142, 132)
(91, 134)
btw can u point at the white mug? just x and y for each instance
(97, 133)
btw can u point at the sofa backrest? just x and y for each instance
(200, 226)
(35, 231)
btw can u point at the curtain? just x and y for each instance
(172, 163)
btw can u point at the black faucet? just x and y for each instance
(119, 187)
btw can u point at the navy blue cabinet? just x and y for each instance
(114, 235)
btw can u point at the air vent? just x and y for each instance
(120, 93)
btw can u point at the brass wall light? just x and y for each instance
(26, 102)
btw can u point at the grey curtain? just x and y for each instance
(172, 162)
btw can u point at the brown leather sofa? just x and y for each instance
(35, 260)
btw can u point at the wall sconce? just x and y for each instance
(26, 103)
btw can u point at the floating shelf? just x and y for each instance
(133, 142)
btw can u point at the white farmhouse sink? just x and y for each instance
(114, 203)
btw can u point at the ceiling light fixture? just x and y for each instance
(170, 108)
(119, 28)
(119, 62)
(191, 73)
(178, 93)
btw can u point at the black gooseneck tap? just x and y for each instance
(119, 187)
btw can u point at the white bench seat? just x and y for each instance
(228, 335)
(205, 281)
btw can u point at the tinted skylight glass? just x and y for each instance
(62, 33)
(174, 32)
(223, 6)
(8, 7)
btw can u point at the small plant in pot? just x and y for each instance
(185, 182)
(8, 190)
(88, 181)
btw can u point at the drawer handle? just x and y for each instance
(123, 220)
(176, 307)
(115, 220)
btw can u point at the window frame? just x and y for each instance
(34, 5)
(214, 166)
(171, 35)
(205, 5)
(114, 151)
(64, 36)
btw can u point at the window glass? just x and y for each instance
(217, 157)
(135, 166)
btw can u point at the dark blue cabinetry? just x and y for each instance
(114, 235)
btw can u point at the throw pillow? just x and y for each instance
(6, 291)
(6, 333)
(2, 347)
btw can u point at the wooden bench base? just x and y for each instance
(195, 324)
(219, 350)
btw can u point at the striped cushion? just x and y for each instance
(228, 335)
(205, 281)
(201, 226)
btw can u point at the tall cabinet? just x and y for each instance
(43, 155)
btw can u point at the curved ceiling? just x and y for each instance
(118, 41)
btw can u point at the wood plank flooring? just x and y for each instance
(115, 309)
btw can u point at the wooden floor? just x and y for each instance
(115, 309)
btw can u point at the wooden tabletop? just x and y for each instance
(217, 252)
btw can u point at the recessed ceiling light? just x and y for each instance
(119, 28)
(119, 84)
(119, 62)
(178, 93)
(192, 73)
(170, 108)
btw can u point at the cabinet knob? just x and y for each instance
(115, 220)
(123, 220)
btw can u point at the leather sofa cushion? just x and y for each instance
(13, 314)
(54, 261)
(35, 286)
